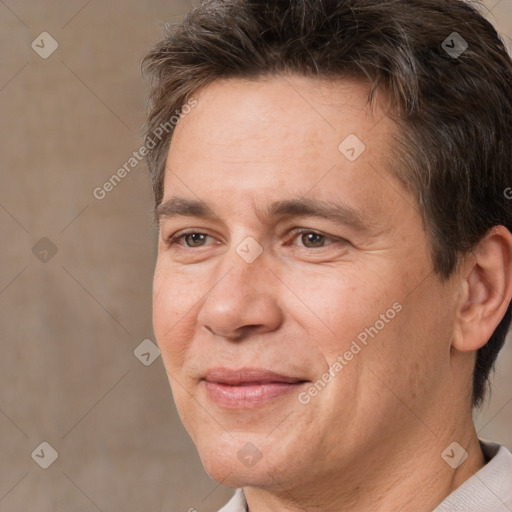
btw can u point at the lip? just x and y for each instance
(245, 388)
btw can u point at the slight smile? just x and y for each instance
(247, 388)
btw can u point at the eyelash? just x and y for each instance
(173, 240)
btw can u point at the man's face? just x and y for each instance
(266, 287)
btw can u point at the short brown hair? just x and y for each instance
(453, 108)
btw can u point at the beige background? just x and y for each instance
(68, 327)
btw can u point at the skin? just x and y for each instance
(372, 438)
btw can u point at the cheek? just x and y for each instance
(171, 323)
(411, 354)
(340, 303)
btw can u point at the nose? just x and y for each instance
(244, 298)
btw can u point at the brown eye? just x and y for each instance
(314, 240)
(311, 239)
(194, 239)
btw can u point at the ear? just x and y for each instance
(486, 290)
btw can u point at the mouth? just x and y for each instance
(247, 388)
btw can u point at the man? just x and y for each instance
(334, 268)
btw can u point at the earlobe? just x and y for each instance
(485, 290)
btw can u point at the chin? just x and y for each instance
(234, 461)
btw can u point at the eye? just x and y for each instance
(192, 239)
(312, 239)
(309, 239)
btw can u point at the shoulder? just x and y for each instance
(236, 504)
(489, 489)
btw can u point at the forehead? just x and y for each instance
(295, 109)
(281, 136)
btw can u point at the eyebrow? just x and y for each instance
(302, 207)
